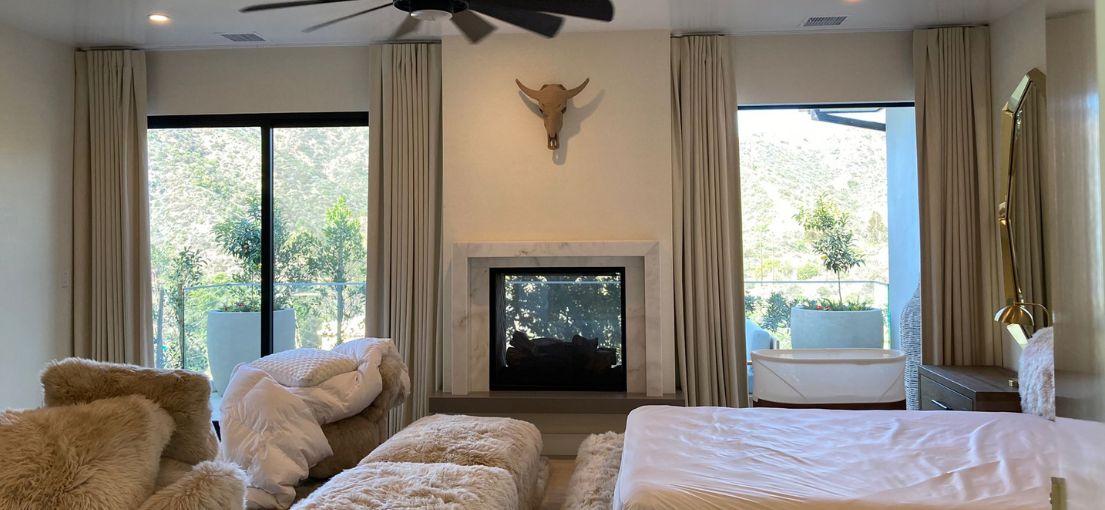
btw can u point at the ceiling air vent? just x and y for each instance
(825, 21)
(244, 37)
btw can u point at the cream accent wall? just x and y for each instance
(1017, 45)
(824, 68)
(611, 178)
(36, 172)
(258, 80)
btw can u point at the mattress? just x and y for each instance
(743, 459)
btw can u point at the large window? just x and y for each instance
(820, 229)
(257, 234)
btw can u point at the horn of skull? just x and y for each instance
(552, 100)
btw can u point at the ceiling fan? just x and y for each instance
(537, 16)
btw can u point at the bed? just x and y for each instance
(786, 459)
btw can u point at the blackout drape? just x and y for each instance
(112, 318)
(957, 186)
(404, 218)
(709, 283)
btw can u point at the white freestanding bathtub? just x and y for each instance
(812, 377)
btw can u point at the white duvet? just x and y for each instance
(273, 430)
(781, 459)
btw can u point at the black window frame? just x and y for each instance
(267, 122)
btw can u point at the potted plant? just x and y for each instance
(234, 330)
(828, 323)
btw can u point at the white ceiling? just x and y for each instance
(198, 23)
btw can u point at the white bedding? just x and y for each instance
(783, 459)
(274, 431)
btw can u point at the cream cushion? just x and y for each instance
(403, 485)
(103, 455)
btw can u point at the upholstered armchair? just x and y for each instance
(178, 431)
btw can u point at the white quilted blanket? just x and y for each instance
(274, 408)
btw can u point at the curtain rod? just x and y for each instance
(698, 34)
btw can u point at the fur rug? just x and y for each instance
(513, 445)
(596, 473)
(1037, 375)
(102, 455)
(388, 485)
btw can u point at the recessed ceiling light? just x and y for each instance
(159, 19)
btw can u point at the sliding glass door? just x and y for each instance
(257, 235)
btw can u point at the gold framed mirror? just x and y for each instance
(1021, 215)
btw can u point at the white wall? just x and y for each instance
(824, 68)
(258, 80)
(1017, 45)
(36, 169)
(611, 178)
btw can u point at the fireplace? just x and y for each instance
(557, 328)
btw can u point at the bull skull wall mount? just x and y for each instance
(552, 100)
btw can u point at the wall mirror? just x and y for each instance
(1021, 215)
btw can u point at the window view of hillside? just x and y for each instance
(205, 237)
(802, 172)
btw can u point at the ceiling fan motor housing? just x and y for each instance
(432, 10)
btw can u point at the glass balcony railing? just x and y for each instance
(191, 322)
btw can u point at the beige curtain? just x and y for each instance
(957, 186)
(111, 252)
(404, 224)
(709, 283)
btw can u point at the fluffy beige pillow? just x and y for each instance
(100, 455)
(185, 395)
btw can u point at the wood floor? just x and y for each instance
(560, 472)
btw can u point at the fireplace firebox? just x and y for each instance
(557, 329)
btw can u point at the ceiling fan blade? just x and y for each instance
(539, 22)
(343, 18)
(602, 10)
(472, 25)
(409, 25)
(283, 5)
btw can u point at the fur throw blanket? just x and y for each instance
(1037, 375)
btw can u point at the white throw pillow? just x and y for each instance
(302, 368)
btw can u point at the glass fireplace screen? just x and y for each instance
(558, 329)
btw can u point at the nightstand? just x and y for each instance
(968, 389)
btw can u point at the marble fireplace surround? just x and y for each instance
(470, 311)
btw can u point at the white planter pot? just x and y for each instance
(825, 329)
(235, 337)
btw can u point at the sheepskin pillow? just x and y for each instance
(304, 368)
(185, 395)
(98, 456)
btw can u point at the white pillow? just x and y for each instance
(301, 368)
